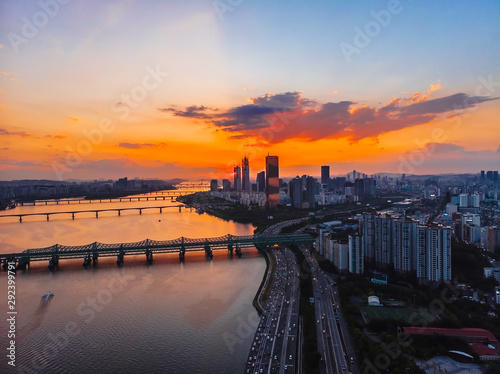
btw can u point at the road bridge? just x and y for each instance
(73, 213)
(91, 252)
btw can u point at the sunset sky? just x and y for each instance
(185, 89)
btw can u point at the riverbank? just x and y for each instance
(260, 218)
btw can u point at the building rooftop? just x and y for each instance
(471, 335)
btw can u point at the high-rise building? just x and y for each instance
(404, 236)
(214, 185)
(325, 175)
(359, 189)
(295, 190)
(368, 230)
(311, 192)
(226, 185)
(433, 254)
(493, 238)
(356, 257)
(261, 181)
(272, 182)
(482, 179)
(245, 177)
(237, 178)
(383, 240)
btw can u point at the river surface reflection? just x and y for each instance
(168, 317)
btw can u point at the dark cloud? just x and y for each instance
(444, 147)
(273, 118)
(284, 100)
(55, 136)
(191, 112)
(17, 133)
(137, 145)
(445, 104)
(8, 161)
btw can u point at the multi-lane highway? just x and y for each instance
(275, 348)
(333, 336)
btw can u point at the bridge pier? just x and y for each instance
(238, 250)
(73, 215)
(47, 217)
(53, 262)
(96, 214)
(119, 258)
(140, 211)
(230, 248)
(160, 210)
(119, 212)
(20, 219)
(87, 260)
(208, 252)
(23, 264)
(5, 263)
(181, 255)
(95, 256)
(149, 256)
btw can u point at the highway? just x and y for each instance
(275, 348)
(332, 333)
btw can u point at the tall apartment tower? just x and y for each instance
(404, 236)
(383, 240)
(368, 229)
(356, 256)
(237, 178)
(261, 181)
(272, 182)
(325, 175)
(295, 190)
(433, 254)
(245, 177)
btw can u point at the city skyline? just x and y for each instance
(171, 90)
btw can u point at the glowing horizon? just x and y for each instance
(170, 90)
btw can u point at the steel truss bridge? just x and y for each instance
(91, 252)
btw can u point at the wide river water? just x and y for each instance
(168, 317)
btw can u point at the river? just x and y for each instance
(168, 317)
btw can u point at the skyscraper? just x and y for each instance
(325, 175)
(272, 182)
(296, 192)
(237, 178)
(245, 168)
(261, 181)
(310, 191)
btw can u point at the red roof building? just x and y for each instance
(470, 335)
(485, 352)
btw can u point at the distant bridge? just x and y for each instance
(157, 195)
(91, 252)
(95, 211)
